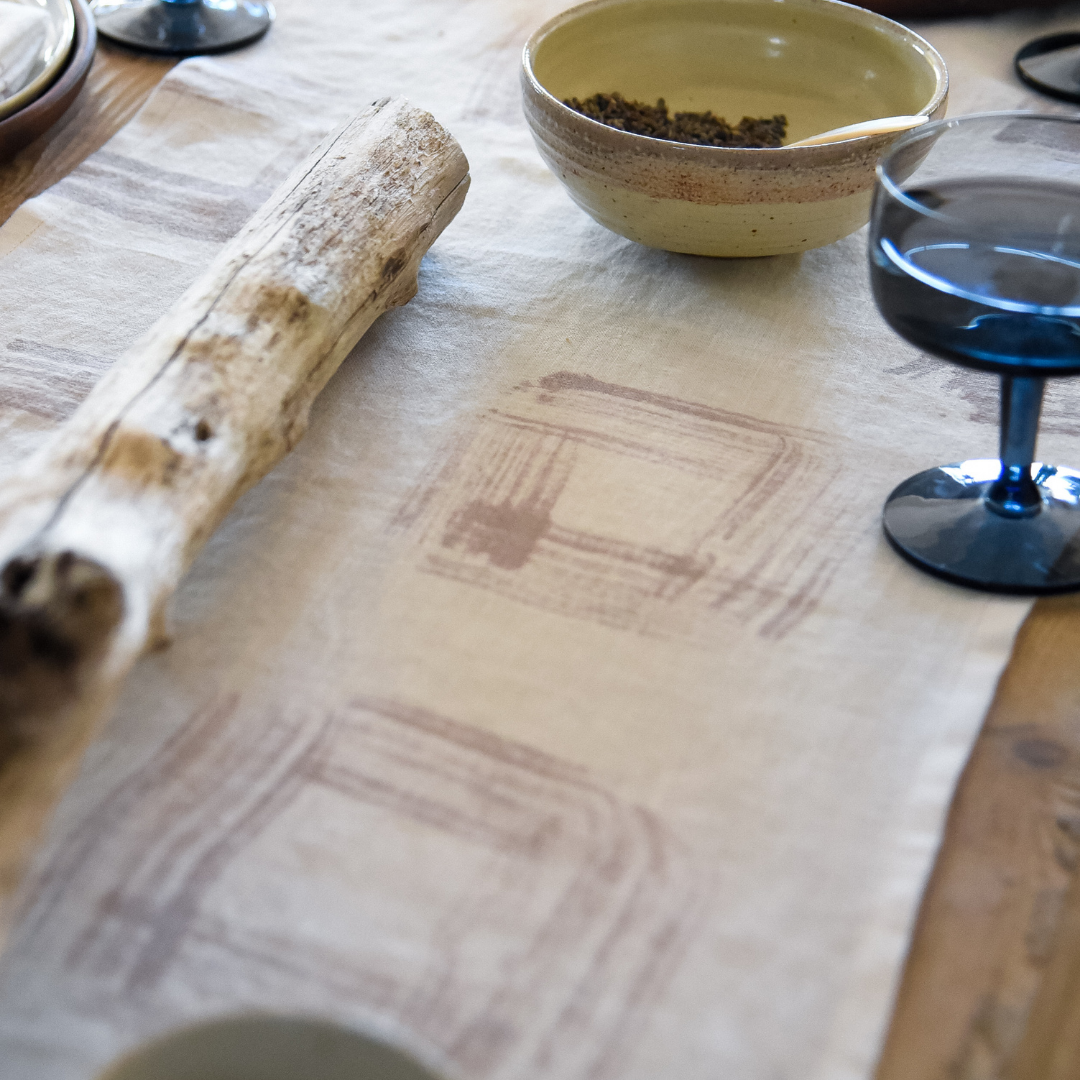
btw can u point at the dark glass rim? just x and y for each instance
(932, 131)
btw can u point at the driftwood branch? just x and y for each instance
(98, 528)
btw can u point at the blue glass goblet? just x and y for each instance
(183, 27)
(975, 258)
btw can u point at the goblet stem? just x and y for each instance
(1014, 493)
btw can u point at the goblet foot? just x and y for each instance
(942, 522)
(184, 28)
(1049, 64)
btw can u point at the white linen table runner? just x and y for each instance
(557, 706)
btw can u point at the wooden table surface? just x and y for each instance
(992, 983)
(118, 83)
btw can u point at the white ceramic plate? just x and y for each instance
(59, 38)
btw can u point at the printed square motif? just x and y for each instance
(633, 509)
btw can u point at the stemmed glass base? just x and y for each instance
(184, 27)
(1005, 524)
(975, 259)
(944, 522)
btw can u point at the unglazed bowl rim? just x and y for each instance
(649, 144)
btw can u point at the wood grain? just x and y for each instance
(118, 84)
(992, 983)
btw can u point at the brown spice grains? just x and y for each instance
(699, 129)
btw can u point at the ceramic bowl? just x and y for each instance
(822, 63)
(266, 1047)
(51, 57)
(22, 127)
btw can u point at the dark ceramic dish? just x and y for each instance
(34, 119)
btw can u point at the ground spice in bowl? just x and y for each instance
(699, 129)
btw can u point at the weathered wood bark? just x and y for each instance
(97, 530)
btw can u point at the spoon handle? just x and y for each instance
(867, 127)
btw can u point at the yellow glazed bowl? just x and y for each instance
(822, 63)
